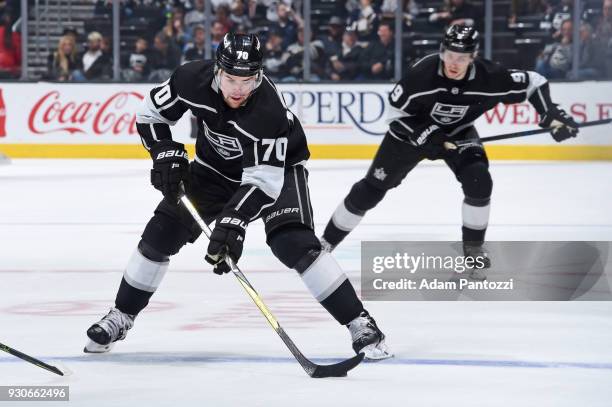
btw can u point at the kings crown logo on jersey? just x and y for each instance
(448, 114)
(226, 146)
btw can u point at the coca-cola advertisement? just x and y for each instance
(112, 115)
(74, 114)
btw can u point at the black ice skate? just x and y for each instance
(104, 333)
(367, 338)
(481, 260)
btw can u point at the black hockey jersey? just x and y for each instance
(425, 96)
(250, 145)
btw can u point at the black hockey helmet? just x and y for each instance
(240, 55)
(460, 38)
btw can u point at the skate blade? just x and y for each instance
(376, 352)
(93, 347)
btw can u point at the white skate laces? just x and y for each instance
(113, 327)
(326, 246)
(367, 338)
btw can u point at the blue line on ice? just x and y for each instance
(149, 358)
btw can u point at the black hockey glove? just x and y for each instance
(226, 239)
(170, 167)
(431, 140)
(562, 125)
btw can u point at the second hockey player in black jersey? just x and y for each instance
(249, 164)
(433, 109)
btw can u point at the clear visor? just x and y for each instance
(456, 58)
(233, 85)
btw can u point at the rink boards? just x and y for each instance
(50, 120)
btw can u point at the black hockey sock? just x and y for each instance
(131, 300)
(343, 304)
(347, 216)
(473, 236)
(333, 235)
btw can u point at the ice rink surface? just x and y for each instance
(68, 228)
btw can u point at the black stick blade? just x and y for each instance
(337, 370)
(31, 359)
(53, 369)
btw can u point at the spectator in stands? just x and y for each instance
(62, 62)
(555, 62)
(410, 10)
(195, 50)
(590, 62)
(217, 32)
(10, 48)
(294, 58)
(217, 3)
(364, 21)
(165, 57)
(526, 8)
(238, 15)
(332, 41)
(72, 32)
(252, 9)
(458, 12)
(604, 26)
(106, 46)
(95, 65)
(379, 56)
(196, 16)
(138, 62)
(175, 28)
(285, 24)
(272, 9)
(223, 16)
(557, 15)
(603, 38)
(346, 64)
(273, 61)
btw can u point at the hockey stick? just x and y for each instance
(312, 369)
(538, 131)
(30, 359)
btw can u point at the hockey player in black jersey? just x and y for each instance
(433, 109)
(249, 164)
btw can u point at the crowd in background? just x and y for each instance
(354, 42)
(10, 39)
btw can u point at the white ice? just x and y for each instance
(67, 229)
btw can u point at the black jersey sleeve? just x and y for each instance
(162, 107)
(517, 86)
(513, 85)
(405, 119)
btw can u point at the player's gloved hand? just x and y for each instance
(226, 239)
(562, 125)
(431, 140)
(170, 167)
